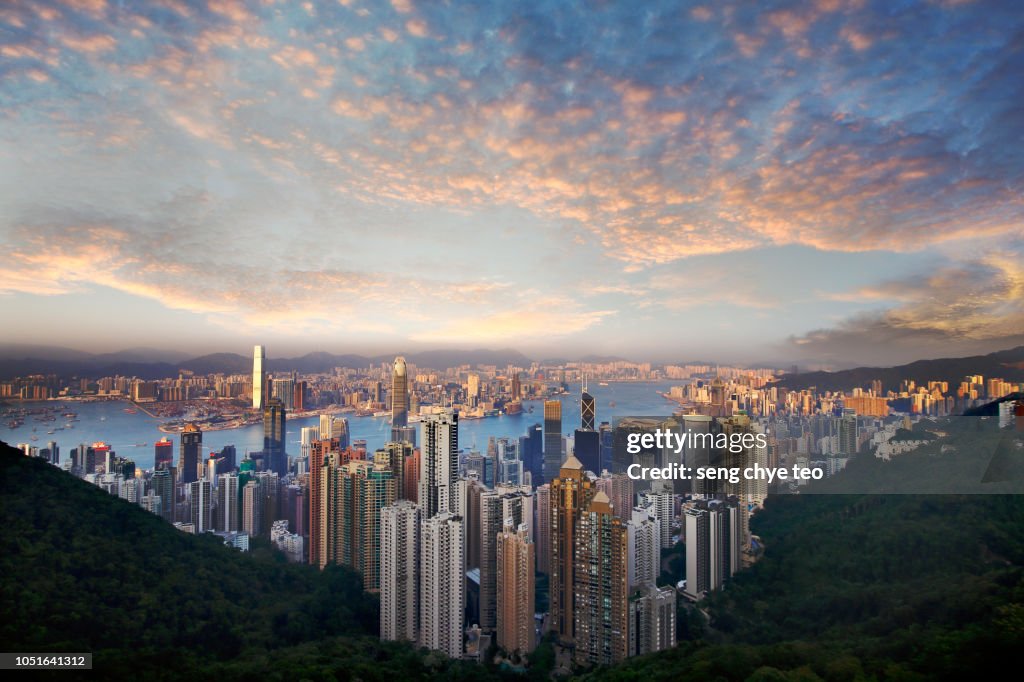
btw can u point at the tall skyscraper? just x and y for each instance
(712, 548)
(201, 505)
(319, 452)
(516, 388)
(552, 438)
(162, 484)
(619, 489)
(399, 394)
(259, 377)
(515, 588)
(400, 571)
(643, 534)
(543, 529)
(439, 462)
(506, 503)
(274, 437)
(395, 457)
(191, 446)
(571, 493)
(601, 610)
(442, 583)
(252, 509)
(588, 411)
(228, 515)
(356, 493)
(652, 619)
(531, 451)
(163, 453)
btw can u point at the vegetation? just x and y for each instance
(850, 587)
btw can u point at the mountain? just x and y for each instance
(1006, 364)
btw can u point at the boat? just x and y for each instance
(602, 383)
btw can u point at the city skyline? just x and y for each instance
(811, 183)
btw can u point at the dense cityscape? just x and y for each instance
(481, 553)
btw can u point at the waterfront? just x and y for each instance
(132, 434)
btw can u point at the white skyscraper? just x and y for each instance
(400, 571)
(664, 507)
(442, 583)
(439, 462)
(228, 515)
(643, 533)
(201, 506)
(259, 377)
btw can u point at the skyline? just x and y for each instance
(816, 183)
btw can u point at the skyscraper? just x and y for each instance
(399, 394)
(162, 483)
(506, 503)
(252, 509)
(201, 505)
(274, 437)
(400, 571)
(543, 529)
(259, 377)
(601, 609)
(588, 411)
(395, 457)
(228, 515)
(163, 453)
(442, 583)
(531, 451)
(571, 493)
(356, 493)
(652, 619)
(191, 446)
(439, 462)
(515, 588)
(552, 438)
(643, 534)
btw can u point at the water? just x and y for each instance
(108, 422)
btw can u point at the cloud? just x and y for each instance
(971, 307)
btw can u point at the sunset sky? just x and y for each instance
(829, 183)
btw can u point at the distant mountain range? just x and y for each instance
(16, 360)
(1005, 364)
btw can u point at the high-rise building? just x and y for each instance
(162, 484)
(395, 457)
(712, 548)
(274, 437)
(663, 504)
(587, 449)
(355, 494)
(517, 387)
(252, 509)
(643, 535)
(543, 529)
(228, 516)
(552, 438)
(571, 492)
(505, 503)
(439, 462)
(619, 489)
(334, 427)
(400, 572)
(652, 619)
(442, 583)
(531, 451)
(191, 446)
(320, 453)
(588, 411)
(202, 505)
(399, 394)
(515, 561)
(259, 378)
(601, 609)
(163, 457)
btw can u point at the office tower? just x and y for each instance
(601, 609)
(259, 378)
(606, 437)
(163, 457)
(307, 434)
(543, 529)
(718, 406)
(54, 452)
(697, 452)
(588, 410)
(400, 571)
(299, 396)
(517, 388)
(571, 492)
(162, 484)
(652, 619)
(587, 448)
(619, 489)
(228, 456)
(227, 503)
(516, 564)
(442, 583)
(252, 509)
(643, 536)
(270, 498)
(552, 438)
(399, 394)
(439, 461)
(473, 388)
(274, 437)
(531, 451)
(356, 493)
(283, 390)
(191, 446)
(201, 517)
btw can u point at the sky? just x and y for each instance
(822, 183)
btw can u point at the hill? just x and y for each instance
(850, 587)
(1005, 364)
